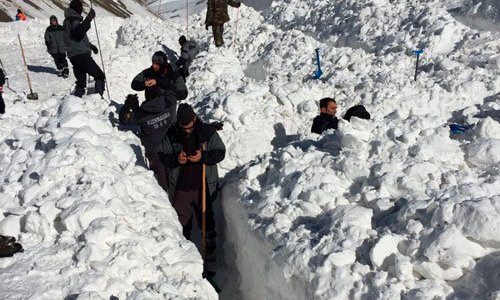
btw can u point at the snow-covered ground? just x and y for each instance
(42, 9)
(395, 207)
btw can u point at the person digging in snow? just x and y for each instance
(56, 46)
(2, 82)
(216, 16)
(8, 246)
(188, 53)
(190, 150)
(79, 48)
(326, 119)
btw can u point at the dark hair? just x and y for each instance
(358, 111)
(182, 40)
(185, 114)
(323, 103)
(160, 58)
(18, 11)
(76, 5)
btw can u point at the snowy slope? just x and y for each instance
(391, 208)
(75, 192)
(394, 207)
(44, 8)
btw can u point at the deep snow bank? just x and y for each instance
(391, 208)
(92, 221)
(75, 192)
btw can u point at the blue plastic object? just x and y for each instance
(418, 51)
(318, 72)
(459, 129)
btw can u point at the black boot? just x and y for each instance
(99, 87)
(79, 92)
(65, 73)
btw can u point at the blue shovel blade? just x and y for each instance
(318, 73)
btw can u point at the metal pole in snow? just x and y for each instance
(100, 52)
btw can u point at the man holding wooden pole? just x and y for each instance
(191, 151)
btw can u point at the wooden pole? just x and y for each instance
(204, 211)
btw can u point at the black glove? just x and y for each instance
(217, 125)
(94, 49)
(132, 101)
(91, 15)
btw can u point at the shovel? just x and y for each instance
(317, 74)
(31, 95)
(417, 52)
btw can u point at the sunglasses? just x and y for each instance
(187, 128)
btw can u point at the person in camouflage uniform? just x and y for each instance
(216, 17)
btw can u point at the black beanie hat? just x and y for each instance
(76, 5)
(159, 58)
(185, 114)
(182, 40)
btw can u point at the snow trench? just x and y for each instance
(396, 207)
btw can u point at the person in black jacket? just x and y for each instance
(153, 117)
(2, 82)
(187, 146)
(79, 48)
(159, 79)
(326, 119)
(56, 46)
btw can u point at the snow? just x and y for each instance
(43, 9)
(388, 208)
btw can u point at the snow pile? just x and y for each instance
(75, 191)
(387, 208)
(100, 224)
(390, 207)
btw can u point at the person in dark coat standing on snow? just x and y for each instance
(188, 145)
(2, 82)
(79, 48)
(160, 78)
(216, 16)
(162, 89)
(153, 117)
(326, 119)
(56, 46)
(188, 53)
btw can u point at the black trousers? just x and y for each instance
(2, 104)
(185, 202)
(60, 60)
(160, 172)
(218, 31)
(84, 64)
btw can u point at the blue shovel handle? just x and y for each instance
(318, 72)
